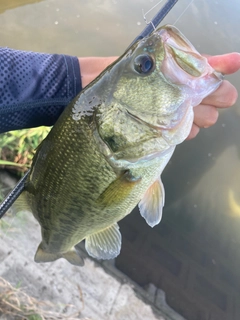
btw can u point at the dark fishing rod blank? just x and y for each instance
(13, 195)
(161, 14)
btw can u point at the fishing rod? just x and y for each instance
(151, 26)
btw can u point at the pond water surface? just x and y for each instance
(198, 254)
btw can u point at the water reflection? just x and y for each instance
(194, 253)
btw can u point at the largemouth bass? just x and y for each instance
(109, 147)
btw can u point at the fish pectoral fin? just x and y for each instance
(105, 244)
(119, 189)
(152, 203)
(71, 256)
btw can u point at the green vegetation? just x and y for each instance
(17, 147)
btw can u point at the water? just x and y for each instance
(194, 253)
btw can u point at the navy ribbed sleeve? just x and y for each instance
(35, 87)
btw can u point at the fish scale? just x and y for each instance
(109, 147)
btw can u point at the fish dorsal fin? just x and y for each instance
(105, 244)
(152, 203)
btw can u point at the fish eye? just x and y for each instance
(143, 64)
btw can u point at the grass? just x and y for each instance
(16, 304)
(17, 148)
(16, 152)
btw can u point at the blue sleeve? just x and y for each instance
(35, 87)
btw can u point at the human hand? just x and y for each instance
(91, 67)
(206, 113)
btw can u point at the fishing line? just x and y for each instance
(144, 15)
(155, 21)
(183, 12)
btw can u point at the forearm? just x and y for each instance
(35, 87)
(91, 67)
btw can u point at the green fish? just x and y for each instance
(109, 147)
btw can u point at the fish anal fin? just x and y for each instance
(71, 256)
(105, 244)
(152, 203)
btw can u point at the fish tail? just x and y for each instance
(71, 256)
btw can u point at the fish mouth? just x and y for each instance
(181, 56)
(172, 37)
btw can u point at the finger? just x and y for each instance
(205, 116)
(194, 131)
(225, 96)
(226, 63)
